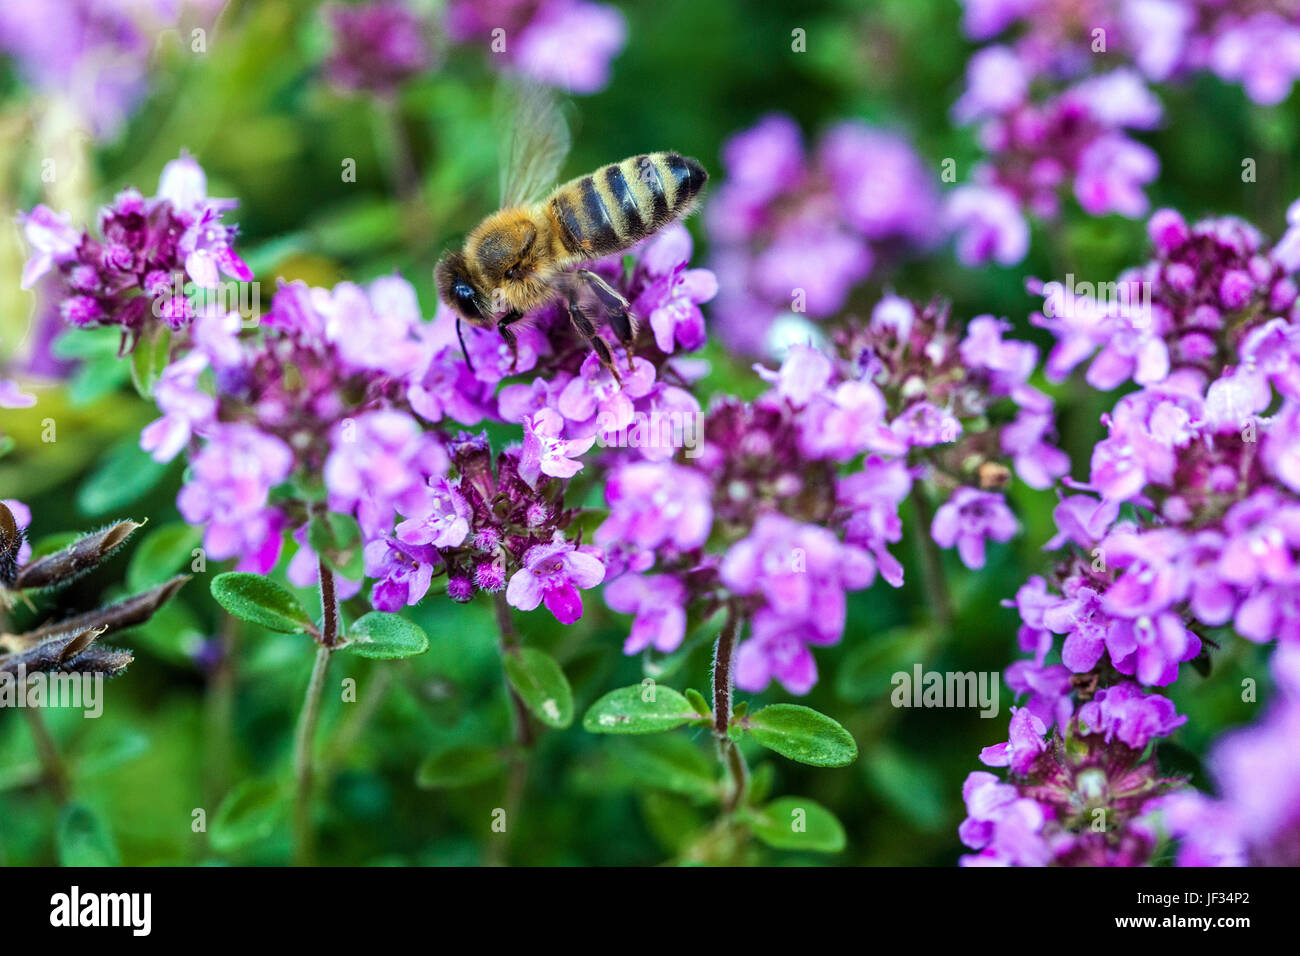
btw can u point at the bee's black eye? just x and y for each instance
(465, 299)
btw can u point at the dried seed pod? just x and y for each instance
(115, 617)
(99, 659)
(77, 558)
(52, 653)
(11, 541)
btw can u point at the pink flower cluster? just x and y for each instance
(1190, 521)
(147, 250)
(794, 233)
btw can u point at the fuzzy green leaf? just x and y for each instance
(249, 813)
(541, 685)
(259, 600)
(797, 823)
(802, 734)
(628, 711)
(385, 637)
(84, 840)
(459, 767)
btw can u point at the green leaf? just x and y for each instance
(150, 358)
(672, 762)
(84, 840)
(802, 734)
(259, 600)
(461, 766)
(161, 554)
(95, 379)
(912, 787)
(672, 821)
(541, 685)
(125, 475)
(698, 702)
(797, 823)
(249, 813)
(867, 671)
(385, 637)
(98, 342)
(338, 538)
(627, 711)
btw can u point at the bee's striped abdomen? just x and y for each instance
(620, 204)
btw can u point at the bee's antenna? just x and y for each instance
(464, 351)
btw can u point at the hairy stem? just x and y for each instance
(53, 768)
(348, 735)
(936, 585)
(728, 752)
(329, 606)
(219, 707)
(517, 773)
(406, 178)
(303, 754)
(510, 642)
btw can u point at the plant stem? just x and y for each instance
(220, 712)
(517, 773)
(347, 735)
(305, 741)
(406, 178)
(732, 759)
(329, 605)
(54, 770)
(303, 757)
(936, 586)
(510, 642)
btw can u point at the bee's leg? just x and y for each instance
(507, 333)
(464, 351)
(617, 307)
(588, 332)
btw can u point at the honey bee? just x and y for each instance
(523, 256)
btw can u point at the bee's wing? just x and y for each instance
(534, 140)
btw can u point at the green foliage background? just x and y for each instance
(254, 112)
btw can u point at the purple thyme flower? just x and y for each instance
(658, 601)
(402, 573)
(229, 482)
(553, 574)
(654, 504)
(778, 649)
(93, 55)
(801, 570)
(545, 452)
(1128, 713)
(377, 46)
(563, 43)
(795, 233)
(377, 466)
(968, 518)
(149, 249)
(1256, 819)
(441, 519)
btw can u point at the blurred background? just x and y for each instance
(208, 704)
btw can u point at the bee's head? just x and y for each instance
(458, 291)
